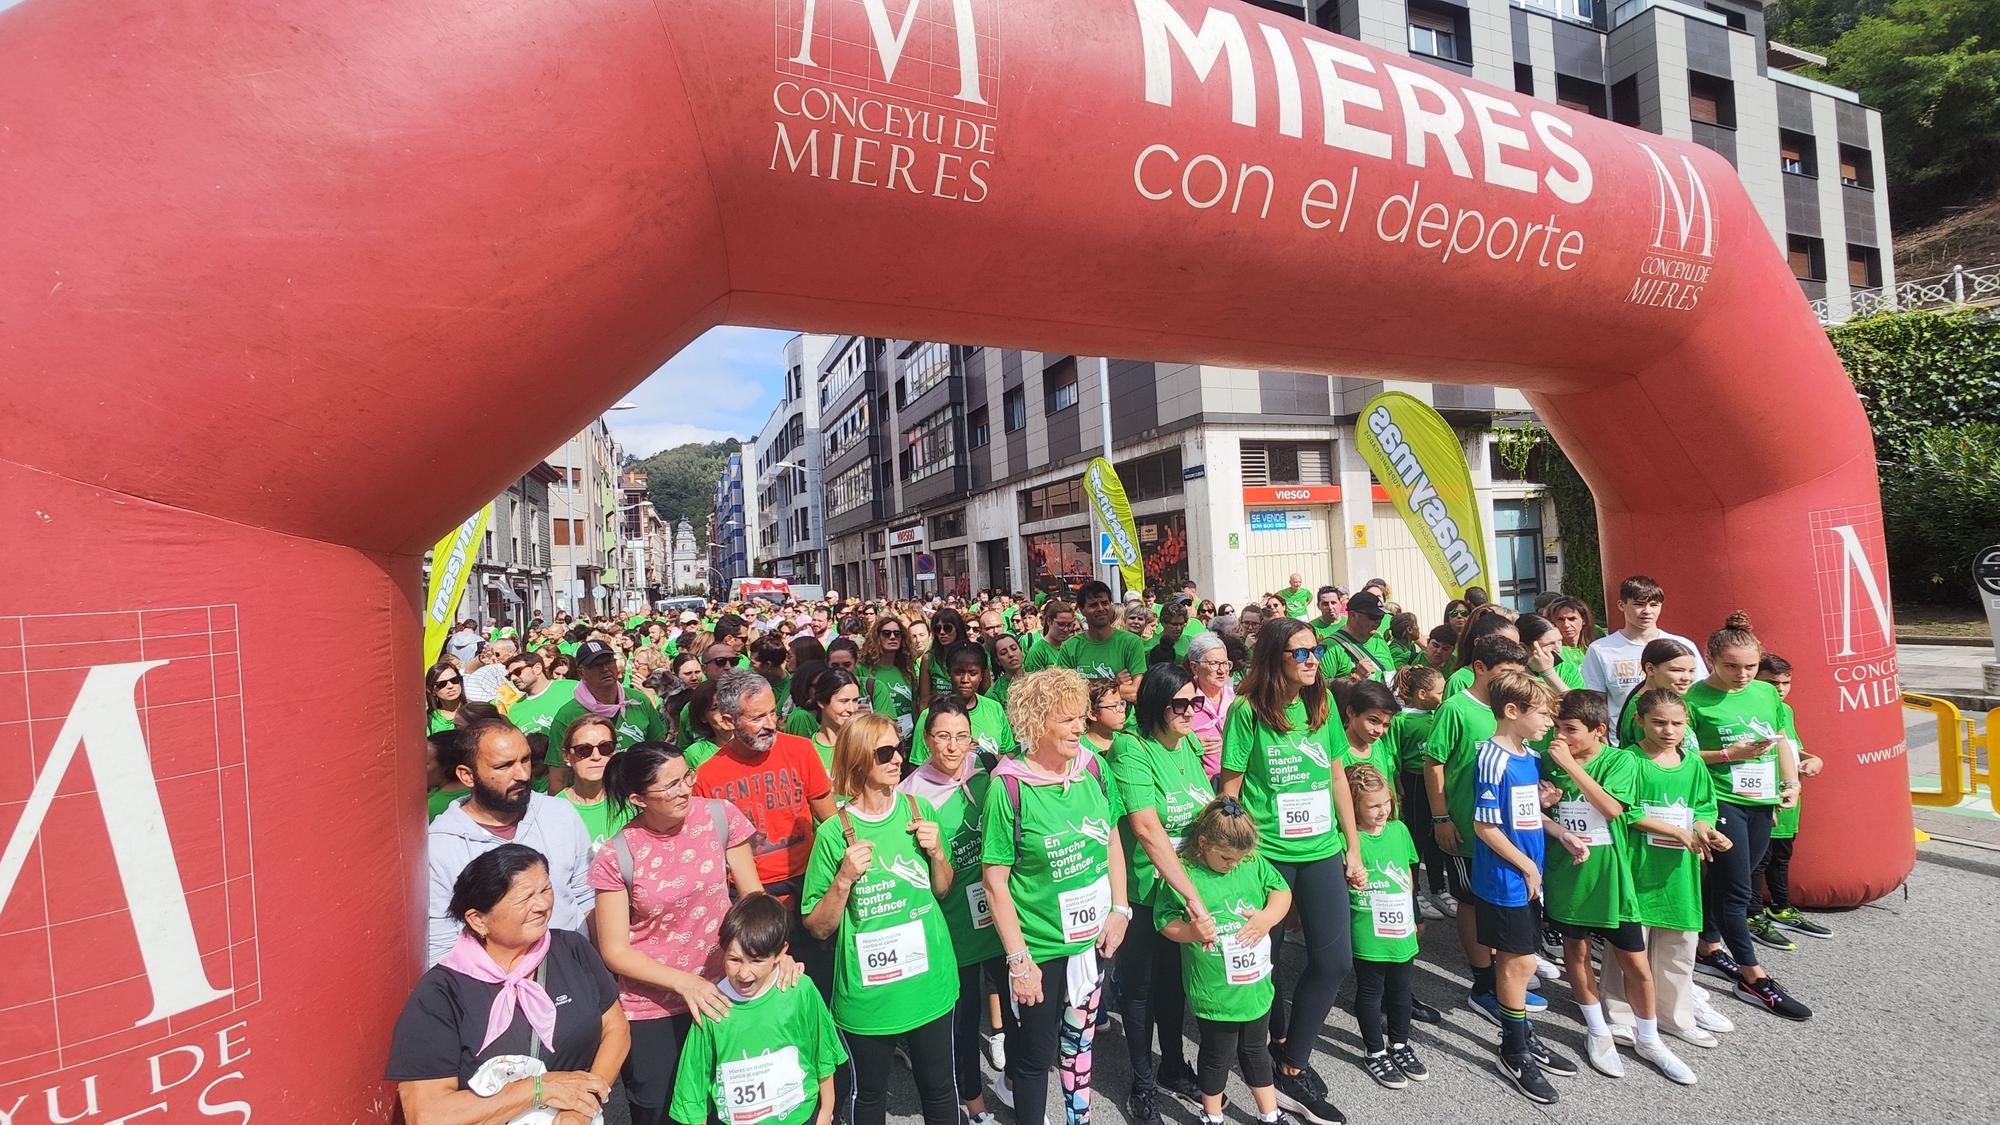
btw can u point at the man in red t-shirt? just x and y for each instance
(775, 779)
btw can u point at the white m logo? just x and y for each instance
(1854, 563)
(890, 41)
(1685, 211)
(104, 723)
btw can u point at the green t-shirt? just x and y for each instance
(441, 799)
(998, 691)
(894, 968)
(889, 693)
(1121, 652)
(1384, 916)
(1170, 782)
(1457, 682)
(1287, 782)
(939, 673)
(731, 1071)
(1343, 654)
(1380, 753)
(568, 648)
(1786, 826)
(1409, 729)
(639, 722)
(825, 753)
(1061, 878)
(1037, 653)
(1405, 656)
(1462, 723)
(991, 735)
(802, 722)
(700, 752)
(1599, 891)
(602, 818)
(1666, 877)
(1227, 983)
(1569, 677)
(1324, 629)
(1720, 719)
(966, 915)
(1298, 602)
(435, 722)
(536, 714)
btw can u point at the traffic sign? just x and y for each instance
(1986, 569)
(1106, 554)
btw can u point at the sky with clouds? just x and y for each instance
(721, 386)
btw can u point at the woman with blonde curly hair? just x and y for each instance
(1054, 873)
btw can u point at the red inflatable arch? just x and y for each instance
(288, 289)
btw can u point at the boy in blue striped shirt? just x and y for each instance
(1508, 826)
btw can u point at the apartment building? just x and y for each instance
(583, 509)
(510, 583)
(731, 537)
(786, 471)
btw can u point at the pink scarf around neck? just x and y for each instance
(602, 710)
(518, 988)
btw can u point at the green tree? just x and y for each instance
(1940, 505)
(682, 480)
(1532, 451)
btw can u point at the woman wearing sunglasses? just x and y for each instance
(888, 673)
(444, 690)
(1278, 753)
(587, 749)
(872, 885)
(1163, 787)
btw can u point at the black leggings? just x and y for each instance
(873, 1058)
(1319, 895)
(1417, 818)
(1725, 885)
(1776, 869)
(1248, 1041)
(1382, 992)
(969, 1020)
(1149, 977)
(1051, 1035)
(650, 1066)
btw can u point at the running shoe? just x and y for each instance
(1140, 1110)
(1207, 1120)
(1383, 1070)
(1695, 1035)
(1406, 1061)
(1791, 918)
(1442, 902)
(1767, 933)
(1719, 964)
(1521, 1070)
(1707, 1018)
(1765, 993)
(1602, 1052)
(1427, 911)
(986, 1118)
(1624, 1034)
(1548, 1059)
(1179, 1080)
(1424, 1013)
(1003, 1093)
(1666, 1062)
(1547, 969)
(996, 1051)
(1551, 941)
(1536, 1002)
(1486, 1005)
(1305, 1095)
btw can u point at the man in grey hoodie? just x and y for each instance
(501, 808)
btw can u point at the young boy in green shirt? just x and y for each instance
(771, 1059)
(1768, 925)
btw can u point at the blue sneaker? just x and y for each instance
(1535, 1002)
(1488, 1005)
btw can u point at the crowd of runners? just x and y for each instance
(743, 860)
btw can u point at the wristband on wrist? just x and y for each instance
(1018, 957)
(1122, 910)
(1441, 820)
(537, 1101)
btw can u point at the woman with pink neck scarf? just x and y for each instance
(600, 692)
(481, 1038)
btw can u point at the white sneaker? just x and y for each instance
(1428, 911)
(1625, 1035)
(1547, 969)
(1602, 1051)
(1668, 1063)
(1707, 1018)
(996, 1051)
(1003, 1093)
(986, 1118)
(1442, 902)
(1695, 1035)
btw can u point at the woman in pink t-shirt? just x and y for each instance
(1208, 662)
(662, 887)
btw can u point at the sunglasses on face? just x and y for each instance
(445, 682)
(1181, 705)
(720, 660)
(891, 633)
(886, 754)
(1307, 655)
(1459, 613)
(593, 749)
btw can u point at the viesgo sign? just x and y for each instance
(1292, 494)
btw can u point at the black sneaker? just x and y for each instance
(1764, 993)
(1550, 1060)
(1140, 1110)
(1719, 964)
(1527, 1077)
(1179, 1081)
(1424, 1013)
(1384, 1071)
(1304, 1095)
(1406, 1061)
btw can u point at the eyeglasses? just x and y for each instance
(950, 739)
(1214, 665)
(681, 782)
(1308, 655)
(1113, 703)
(445, 682)
(886, 754)
(593, 749)
(1181, 706)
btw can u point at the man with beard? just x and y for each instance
(501, 808)
(776, 779)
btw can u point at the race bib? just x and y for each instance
(897, 953)
(982, 910)
(1083, 910)
(1391, 914)
(770, 1085)
(1754, 779)
(1582, 820)
(1680, 816)
(1527, 802)
(1305, 814)
(1245, 964)
(904, 725)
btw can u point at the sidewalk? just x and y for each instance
(1953, 673)
(1950, 672)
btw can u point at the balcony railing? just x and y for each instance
(1961, 287)
(1575, 11)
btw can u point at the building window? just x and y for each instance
(1059, 387)
(932, 446)
(1152, 477)
(1734, 17)
(948, 525)
(1580, 95)
(851, 489)
(1864, 267)
(1625, 102)
(852, 427)
(1856, 169)
(846, 370)
(1014, 404)
(924, 367)
(1524, 79)
(1286, 462)
(1807, 256)
(1440, 32)
(1797, 155)
(1059, 561)
(1711, 100)
(1052, 501)
(978, 431)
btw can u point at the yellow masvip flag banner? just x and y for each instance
(1114, 518)
(451, 567)
(1421, 465)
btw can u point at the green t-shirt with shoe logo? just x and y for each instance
(1170, 782)
(1384, 914)
(1061, 878)
(1228, 982)
(1597, 891)
(1287, 782)
(1462, 723)
(1719, 719)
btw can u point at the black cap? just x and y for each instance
(591, 652)
(1367, 603)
